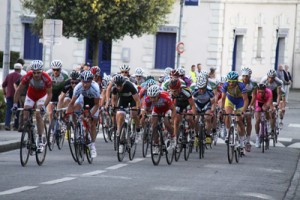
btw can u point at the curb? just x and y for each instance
(9, 145)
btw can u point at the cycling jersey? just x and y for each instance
(166, 84)
(234, 94)
(161, 106)
(181, 101)
(58, 83)
(203, 100)
(272, 86)
(36, 88)
(92, 92)
(250, 86)
(125, 95)
(262, 99)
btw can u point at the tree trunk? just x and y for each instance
(95, 51)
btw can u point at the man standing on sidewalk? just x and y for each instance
(289, 80)
(9, 92)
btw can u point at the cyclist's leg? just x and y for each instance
(229, 107)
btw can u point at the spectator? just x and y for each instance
(280, 73)
(86, 66)
(289, 80)
(9, 92)
(199, 68)
(193, 73)
(212, 73)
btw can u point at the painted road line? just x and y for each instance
(117, 166)
(295, 145)
(17, 190)
(294, 125)
(284, 139)
(94, 173)
(58, 181)
(136, 160)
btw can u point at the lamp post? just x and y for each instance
(6, 54)
(179, 31)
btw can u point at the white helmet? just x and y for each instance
(203, 74)
(36, 65)
(246, 71)
(139, 72)
(153, 91)
(124, 67)
(56, 64)
(201, 83)
(272, 73)
(86, 76)
(181, 71)
(168, 71)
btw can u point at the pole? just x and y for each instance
(179, 31)
(6, 54)
(52, 40)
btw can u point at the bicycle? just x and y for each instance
(106, 122)
(70, 135)
(162, 143)
(28, 145)
(263, 132)
(184, 139)
(127, 136)
(233, 143)
(82, 137)
(201, 134)
(146, 140)
(56, 129)
(276, 124)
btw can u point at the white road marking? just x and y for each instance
(294, 125)
(116, 177)
(284, 139)
(58, 180)
(172, 188)
(295, 145)
(94, 173)
(117, 166)
(100, 136)
(136, 160)
(257, 195)
(17, 190)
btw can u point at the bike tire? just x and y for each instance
(41, 156)
(230, 145)
(25, 147)
(78, 143)
(131, 142)
(188, 149)
(170, 152)
(179, 145)
(61, 139)
(87, 149)
(51, 134)
(155, 157)
(104, 128)
(120, 138)
(237, 150)
(145, 140)
(71, 142)
(201, 142)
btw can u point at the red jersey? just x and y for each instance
(163, 104)
(36, 88)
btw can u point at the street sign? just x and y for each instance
(180, 47)
(52, 31)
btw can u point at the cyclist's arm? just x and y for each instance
(137, 100)
(49, 96)
(71, 104)
(103, 99)
(108, 92)
(18, 92)
(173, 109)
(223, 100)
(96, 106)
(61, 99)
(279, 93)
(192, 104)
(252, 103)
(246, 101)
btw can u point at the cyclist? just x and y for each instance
(263, 102)
(187, 80)
(123, 93)
(205, 102)
(275, 85)
(39, 93)
(251, 87)
(139, 78)
(159, 103)
(173, 76)
(59, 79)
(182, 98)
(67, 92)
(87, 92)
(234, 95)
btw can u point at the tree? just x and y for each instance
(98, 20)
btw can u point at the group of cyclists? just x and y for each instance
(172, 95)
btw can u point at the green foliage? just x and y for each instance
(2, 107)
(13, 58)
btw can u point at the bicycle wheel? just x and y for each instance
(25, 147)
(121, 141)
(201, 142)
(188, 148)
(60, 138)
(51, 139)
(114, 135)
(179, 145)
(131, 142)
(169, 151)
(40, 156)
(230, 145)
(103, 121)
(262, 136)
(88, 148)
(237, 150)
(156, 148)
(71, 142)
(145, 141)
(79, 146)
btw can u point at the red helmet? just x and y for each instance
(175, 84)
(175, 72)
(95, 71)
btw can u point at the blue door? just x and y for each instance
(165, 50)
(104, 56)
(33, 50)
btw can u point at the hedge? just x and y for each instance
(14, 56)
(2, 107)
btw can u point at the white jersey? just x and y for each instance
(92, 92)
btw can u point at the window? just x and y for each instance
(259, 43)
(32, 48)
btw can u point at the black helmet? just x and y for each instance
(119, 80)
(261, 86)
(74, 75)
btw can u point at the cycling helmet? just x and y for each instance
(95, 70)
(56, 64)
(175, 84)
(151, 82)
(161, 79)
(233, 75)
(74, 75)
(203, 74)
(246, 71)
(272, 73)
(181, 71)
(139, 72)
(261, 86)
(168, 71)
(124, 67)
(201, 83)
(36, 65)
(119, 80)
(153, 91)
(149, 78)
(86, 76)
(107, 78)
(223, 79)
(175, 72)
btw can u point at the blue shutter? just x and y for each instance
(32, 48)
(165, 50)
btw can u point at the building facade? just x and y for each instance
(225, 34)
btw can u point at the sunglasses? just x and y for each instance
(36, 73)
(56, 70)
(87, 81)
(124, 72)
(232, 81)
(74, 82)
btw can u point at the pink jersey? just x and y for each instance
(261, 100)
(163, 104)
(36, 88)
